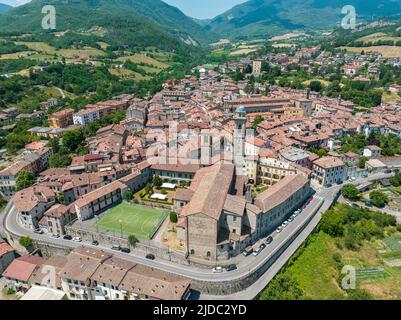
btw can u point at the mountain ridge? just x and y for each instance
(264, 18)
(80, 14)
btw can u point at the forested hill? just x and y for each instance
(263, 18)
(121, 22)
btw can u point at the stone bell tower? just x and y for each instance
(239, 139)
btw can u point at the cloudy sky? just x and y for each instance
(201, 9)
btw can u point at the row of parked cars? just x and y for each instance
(293, 216)
(229, 268)
(251, 251)
(288, 221)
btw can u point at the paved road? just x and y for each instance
(244, 267)
(323, 199)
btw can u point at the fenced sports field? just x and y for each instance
(142, 222)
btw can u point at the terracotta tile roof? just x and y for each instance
(280, 192)
(211, 186)
(235, 204)
(155, 283)
(22, 268)
(27, 199)
(112, 271)
(98, 193)
(184, 194)
(5, 248)
(329, 162)
(57, 211)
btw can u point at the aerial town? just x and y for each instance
(209, 185)
(225, 202)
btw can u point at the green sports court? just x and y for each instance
(142, 222)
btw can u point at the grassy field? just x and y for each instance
(67, 53)
(316, 267)
(139, 221)
(141, 58)
(386, 51)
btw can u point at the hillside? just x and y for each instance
(123, 22)
(263, 18)
(4, 8)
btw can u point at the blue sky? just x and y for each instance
(204, 9)
(201, 9)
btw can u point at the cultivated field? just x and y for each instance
(386, 51)
(139, 221)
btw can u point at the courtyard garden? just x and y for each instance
(158, 191)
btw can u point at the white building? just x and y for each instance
(372, 151)
(328, 171)
(86, 116)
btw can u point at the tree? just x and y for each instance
(362, 162)
(58, 160)
(54, 143)
(25, 180)
(132, 240)
(258, 119)
(128, 196)
(316, 86)
(73, 139)
(149, 189)
(26, 242)
(282, 287)
(396, 180)
(349, 191)
(332, 223)
(157, 181)
(59, 197)
(173, 217)
(378, 198)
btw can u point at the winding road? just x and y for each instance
(303, 225)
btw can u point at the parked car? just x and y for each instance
(150, 257)
(116, 247)
(125, 250)
(55, 236)
(279, 229)
(259, 250)
(285, 224)
(218, 270)
(248, 251)
(231, 267)
(38, 231)
(269, 240)
(77, 239)
(290, 219)
(67, 237)
(95, 243)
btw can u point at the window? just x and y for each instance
(208, 254)
(192, 251)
